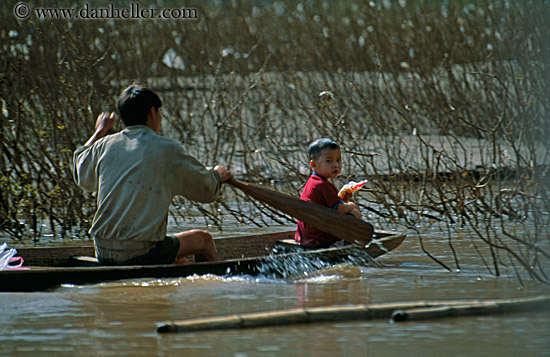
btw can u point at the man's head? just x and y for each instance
(135, 104)
(325, 158)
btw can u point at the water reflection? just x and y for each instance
(121, 317)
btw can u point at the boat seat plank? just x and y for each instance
(84, 261)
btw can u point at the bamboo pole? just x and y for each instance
(472, 308)
(397, 312)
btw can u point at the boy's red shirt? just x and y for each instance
(321, 191)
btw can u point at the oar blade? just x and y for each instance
(343, 226)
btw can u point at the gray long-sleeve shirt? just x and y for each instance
(136, 174)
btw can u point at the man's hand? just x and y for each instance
(225, 174)
(104, 122)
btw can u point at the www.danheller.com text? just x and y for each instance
(134, 11)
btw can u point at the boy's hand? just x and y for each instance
(348, 189)
(346, 196)
(356, 213)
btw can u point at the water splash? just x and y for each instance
(378, 243)
(298, 266)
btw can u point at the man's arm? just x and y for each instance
(103, 124)
(82, 165)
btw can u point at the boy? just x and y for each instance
(326, 163)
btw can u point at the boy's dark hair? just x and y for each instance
(317, 147)
(134, 104)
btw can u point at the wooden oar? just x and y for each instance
(341, 225)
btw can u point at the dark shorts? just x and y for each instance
(164, 252)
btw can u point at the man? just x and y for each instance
(136, 174)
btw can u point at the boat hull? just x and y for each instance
(245, 255)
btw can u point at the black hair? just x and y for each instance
(134, 104)
(317, 147)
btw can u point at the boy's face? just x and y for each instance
(329, 164)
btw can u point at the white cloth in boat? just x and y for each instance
(136, 174)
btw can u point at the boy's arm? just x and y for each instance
(346, 207)
(349, 207)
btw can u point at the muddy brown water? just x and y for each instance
(120, 318)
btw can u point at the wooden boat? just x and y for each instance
(262, 254)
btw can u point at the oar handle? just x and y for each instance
(232, 181)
